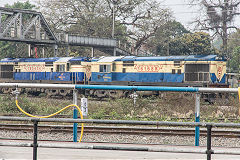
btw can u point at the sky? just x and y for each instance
(182, 11)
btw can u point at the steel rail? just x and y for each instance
(131, 122)
(121, 130)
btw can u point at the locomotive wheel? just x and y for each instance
(28, 90)
(63, 92)
(51, 92)
(115, 94)
(7, 90)
(100, 93)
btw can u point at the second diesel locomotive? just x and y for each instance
(192, 70)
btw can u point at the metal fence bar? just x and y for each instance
(34, 85)
(217, 90)
(75, 115)
(135, 88)
(35, 144)
(209, 142)
(197, 118)
(138, 88)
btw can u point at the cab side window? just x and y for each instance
(61, 68)
(105, 68)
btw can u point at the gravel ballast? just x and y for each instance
(124, 138)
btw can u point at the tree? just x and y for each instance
(234, 41)
(218, 18)
(21, 5)
(197, 43)
(137, 20)
(166, 34)
(13, 49)
(191, 43)
(234, 62)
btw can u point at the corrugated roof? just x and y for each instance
(86, 59)
(64, 59)
(9, 60)
(179, 58)
(126, 58)
(109, 59)
(172, 58)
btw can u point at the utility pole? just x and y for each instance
(113, 17)
(224, 26)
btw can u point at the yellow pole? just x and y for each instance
(239, 101)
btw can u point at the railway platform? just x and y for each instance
(72, 150)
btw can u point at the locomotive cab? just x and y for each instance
(61, 70)
(103, 69)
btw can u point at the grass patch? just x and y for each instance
(167, 107)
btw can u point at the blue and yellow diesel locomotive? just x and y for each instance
(192, 70)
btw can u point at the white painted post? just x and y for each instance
(84, 106)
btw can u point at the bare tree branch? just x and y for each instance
(219, 15)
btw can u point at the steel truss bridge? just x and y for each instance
(30, 27)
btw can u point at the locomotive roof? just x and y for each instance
(51, 59)
(64, 59)
(119, 58)
(86, 59)
(29, 59)
(172, 58)
(9, 60)
(109, 59)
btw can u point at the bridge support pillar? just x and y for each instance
(55, 50)
(93, 51)
(114, 51)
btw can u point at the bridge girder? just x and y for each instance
(30, 27)
(25, 26)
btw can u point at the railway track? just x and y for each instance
(122, 130)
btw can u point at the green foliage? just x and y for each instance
(234, 62)
(234, 41)
(21, 5)
(192, 43)
(165, 38)
(7, 104)
(197, 43)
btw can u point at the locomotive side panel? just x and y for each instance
(149, 71)
(193, 70)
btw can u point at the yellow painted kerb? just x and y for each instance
(239, 93)
(239, 100)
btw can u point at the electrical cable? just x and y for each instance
(71, 105)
